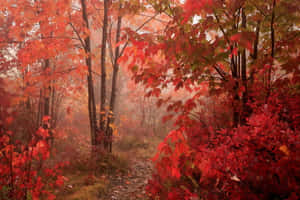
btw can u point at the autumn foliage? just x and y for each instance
(237, 132)
(226, 72)
(257, 161)
(23, 174)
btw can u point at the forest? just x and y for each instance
(149, 99)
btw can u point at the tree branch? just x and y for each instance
(139, 28)
(78, 36)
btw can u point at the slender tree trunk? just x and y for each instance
(256, 41)
(91, 95)
(236, 98)
(39, 113)
(103, 74)
(47, 91)
(52, 110)
(53, 102)
(111, 114)
(272, 50)
(244, 75)
(252, 71)
(235, 76)
(53, 97)
(46, 106)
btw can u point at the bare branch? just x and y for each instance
(139, 28)
(259, 9)
(111, 53)
(159, 20)
(233, 69)
(39, 38)
(220, 72)
(78, 36)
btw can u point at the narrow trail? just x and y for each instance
(131, 186)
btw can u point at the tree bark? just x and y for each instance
(46, 106)
(272, 50)
(91, 95)
(46, 91)
(244, 76)
(103, 75)
(256, 41)
(111, 115)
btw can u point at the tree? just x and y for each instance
(114, 58)
(91, 96)
(32, 45)
(102, 133)
(242, 52)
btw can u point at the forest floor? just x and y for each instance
(130, 186)
(121, 176)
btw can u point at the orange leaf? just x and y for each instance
(285, 150)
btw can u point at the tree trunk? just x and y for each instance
(39, 111)
(111, 113)
(244, 76)
(46, 106)
(46, 91)
(91, 95)
(103, 76)
(236, 98)
(272, 50)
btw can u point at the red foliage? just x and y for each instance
(249, 66)
(257, 161)
(23, 173)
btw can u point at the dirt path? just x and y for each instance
(131, 186)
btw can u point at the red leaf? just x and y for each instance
(46, 118)
(9, 120)
(59, 181)
(175, 172)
